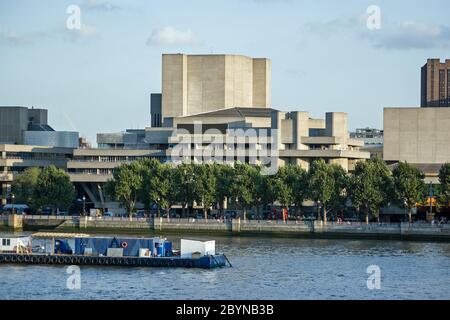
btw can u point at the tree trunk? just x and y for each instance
(183, 211)
(324, 215)
(410, 215)
(205, 213)
(367, 217)
(245, 214)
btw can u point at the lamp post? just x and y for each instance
(84, 205)
(406, 208)
(431, 198)
(12, 201)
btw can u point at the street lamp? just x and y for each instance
(406, 208)
(12, 200)
(84, 205)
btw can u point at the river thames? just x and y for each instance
(263, 268)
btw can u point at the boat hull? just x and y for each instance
(206, 262)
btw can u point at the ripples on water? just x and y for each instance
(262, 269)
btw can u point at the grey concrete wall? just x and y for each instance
(417, 135)
(421, 231)
(194, 84)
(13, 121)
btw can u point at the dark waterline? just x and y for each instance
(263, 268)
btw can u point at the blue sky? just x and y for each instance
(98, 79)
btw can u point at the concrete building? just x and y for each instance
(206, 102)
(435, 84)
(21, 125)
(14, 159)
(193, 84)
(419, 136)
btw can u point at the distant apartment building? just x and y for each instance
(435, 84)
(373, 141)
(419, 136)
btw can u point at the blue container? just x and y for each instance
(160, 250)
(168, 249)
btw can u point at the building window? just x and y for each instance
(6, 242)
(448, 88)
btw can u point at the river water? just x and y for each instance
(263, 268)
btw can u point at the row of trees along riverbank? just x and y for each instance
(369, 188)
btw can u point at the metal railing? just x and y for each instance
(100, 218)
(166, 220)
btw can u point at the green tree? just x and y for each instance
(224, 179)
(281, 188)
(53, 189)
(152, 178)
(263, 195)
(204, 186)
(24, 186)
(339, 194)
(370, 187)
(184, 185)
(321, 184)
(126, 184)
(167, 187)
(444, 190)
(409, 186)
(297, 179)
(242, 189)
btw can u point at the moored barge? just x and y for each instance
(84, 250)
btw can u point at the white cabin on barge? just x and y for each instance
(14, 244)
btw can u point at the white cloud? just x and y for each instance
(331, 27)
(404, 35)
(95, 5)
(411, 35)
(169, 36)
(12, 38)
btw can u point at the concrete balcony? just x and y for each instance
(6, 177)
(94, 178)
(75, 164)
(17, 162)
(324, 154)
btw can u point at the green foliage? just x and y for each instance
(339, 194)
(24, 186)
(242, 186)
(321, 183)
(279, 188)
(224, 179)
(409, 186)
(126, 185)
(204, 185)
(444, 190)
(370, 187)
(54, 189)
(184, 184)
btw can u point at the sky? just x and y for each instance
(98, 78)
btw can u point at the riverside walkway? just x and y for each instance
(296, 228)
